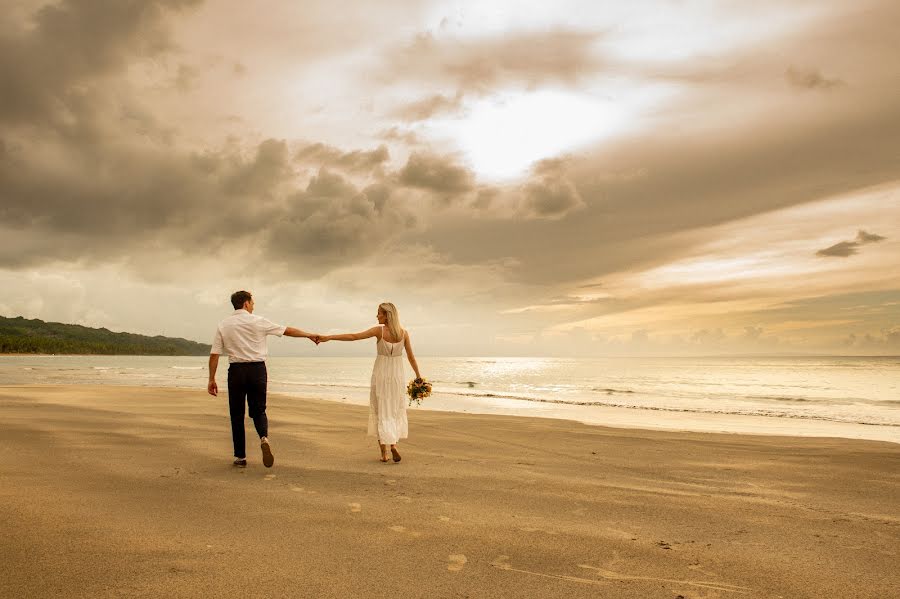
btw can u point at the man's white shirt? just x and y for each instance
(242, 337)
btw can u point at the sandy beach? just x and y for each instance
(130, 492)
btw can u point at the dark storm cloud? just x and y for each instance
(550, 193)
(72, 44)
(194, 204)
(88, 172)
(438, 174)
(845, 249)
(261, 175)
(551, 198)
(334, 223)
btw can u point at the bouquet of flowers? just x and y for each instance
(418, 389)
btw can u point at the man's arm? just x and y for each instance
(212, 388)
(292, 332)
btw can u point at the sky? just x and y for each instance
(566, 179)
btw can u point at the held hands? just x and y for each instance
(317, 339)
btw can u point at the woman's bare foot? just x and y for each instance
(395, 453)
(383, 447)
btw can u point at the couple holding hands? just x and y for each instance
(242, 337)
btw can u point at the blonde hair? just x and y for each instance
(392, 316)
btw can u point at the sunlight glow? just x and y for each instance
(504, 135)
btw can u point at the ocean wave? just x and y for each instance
(685, 410)
(187, 367)
(648, 405)
(783, 398)
(610, 390)
(318, 384)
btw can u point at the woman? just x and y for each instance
(387, 397)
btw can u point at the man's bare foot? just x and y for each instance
(384, 457)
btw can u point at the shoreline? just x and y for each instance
(2, 355)
(129, 491)
(628, 418)
(520, 357)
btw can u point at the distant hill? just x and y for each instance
(23, 336)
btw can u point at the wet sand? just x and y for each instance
(124, 492)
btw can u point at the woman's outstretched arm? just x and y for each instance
(407, 344)
(373, 332)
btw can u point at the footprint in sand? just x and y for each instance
(455, 563)
(443, 518)
(270, 476)
(297, 489)
(355, 508)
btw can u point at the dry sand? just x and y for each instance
(123, 492)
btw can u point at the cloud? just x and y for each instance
(439, 174)
(888, 339)
(528, 59)
(810, 79)
(864, 237)
(426, 108)
(842, 249)
(356, 161)
(547, 194)
(98, 165)
(261, 175)
(752, 333)
(550, 194)
(845, 249)
(332, 222)
(71, 47)
(708, 337)
(406, 137)
(186, 78)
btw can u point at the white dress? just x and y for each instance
(387, 398)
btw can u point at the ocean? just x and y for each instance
(854, 397)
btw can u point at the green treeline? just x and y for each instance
(23, 336)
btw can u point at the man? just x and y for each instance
(242, 336)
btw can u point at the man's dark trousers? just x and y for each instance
(247, 383)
